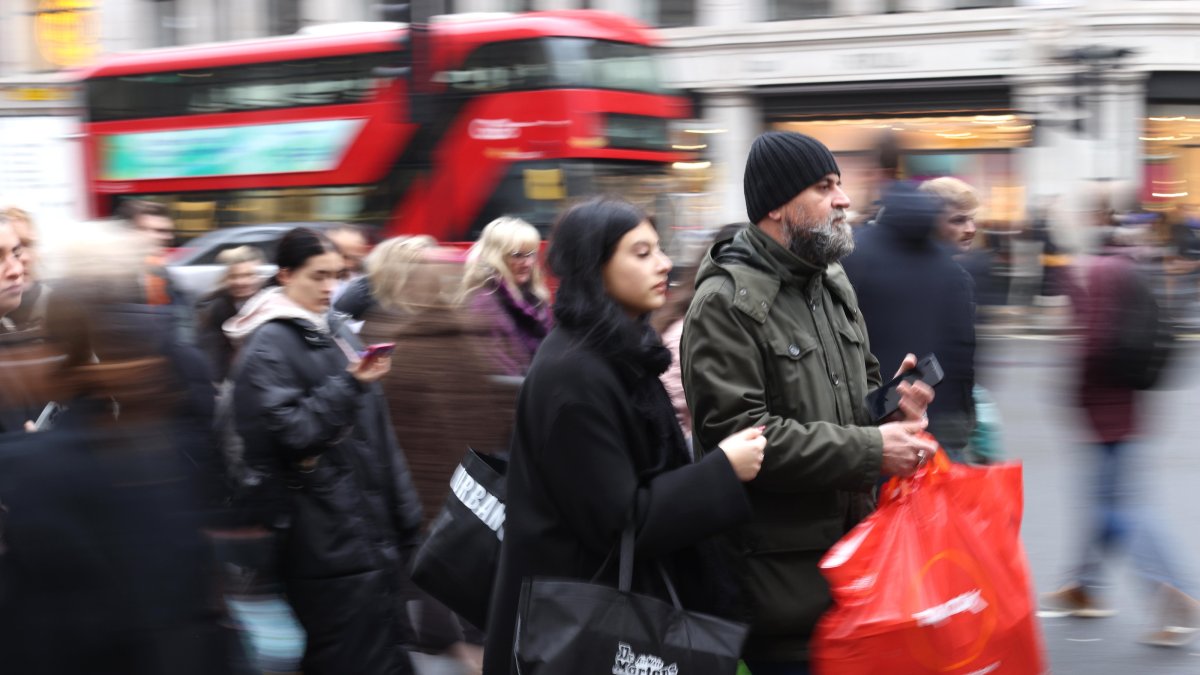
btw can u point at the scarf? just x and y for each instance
(268, 305)
(530, 315)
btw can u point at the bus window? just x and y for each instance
(501, 66)
(598, 64)
(262, 86)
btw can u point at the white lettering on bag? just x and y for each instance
(485, 505)
(629, 663)
(971, 601)
(984, 671)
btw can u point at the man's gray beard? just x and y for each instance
(821, 243)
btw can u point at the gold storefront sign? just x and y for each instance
(37, 94)
(67, 31)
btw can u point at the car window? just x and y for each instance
(210, 257)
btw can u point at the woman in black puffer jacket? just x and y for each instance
(313, 420)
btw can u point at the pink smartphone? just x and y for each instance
(377, 350)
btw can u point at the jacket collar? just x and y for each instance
(792, 269)
(759, 266)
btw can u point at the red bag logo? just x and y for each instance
(972, 612)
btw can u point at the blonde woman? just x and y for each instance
(241, 281)
(503, 286)
(387, 271)
(438, 371)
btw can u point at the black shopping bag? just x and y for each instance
(569, 627)
(457, 562)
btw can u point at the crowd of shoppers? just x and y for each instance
(725, 426)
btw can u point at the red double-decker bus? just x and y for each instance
(522, 112)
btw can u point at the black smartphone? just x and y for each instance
(885, 400)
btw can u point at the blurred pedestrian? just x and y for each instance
(438, 369)
(668, 322)
(102, 561)
(153, 221)
(888, 152)
(958, 227)
(352, 244)
(32, 311)
(12, 272)
(239, 283)
(1118, 512)
(313, 421)
(596, 441)
(915, 298)
(438, 379)
(18, 407)
(502, 284)
(774, 337)
(363, 293)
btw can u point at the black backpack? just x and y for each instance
(1143, 341)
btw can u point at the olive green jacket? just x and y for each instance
(771, 340)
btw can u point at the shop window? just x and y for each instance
(284, 17)
(672, 13)
(786, 10)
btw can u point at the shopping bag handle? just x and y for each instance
(625, 579)
(898, 487)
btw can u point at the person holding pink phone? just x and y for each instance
(338, 493)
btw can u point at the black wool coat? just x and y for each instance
(582, 454)
(349, 512)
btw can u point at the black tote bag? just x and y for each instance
(457, 562)
(567, 627)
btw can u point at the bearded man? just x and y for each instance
(774, 338)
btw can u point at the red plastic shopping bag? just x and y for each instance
(934, 582)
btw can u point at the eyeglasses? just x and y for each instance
(523, 255)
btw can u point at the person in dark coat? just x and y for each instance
(240, 283)
(313, 420)
(916, 298)
(103, 566)
(596, 436)
(503, 287)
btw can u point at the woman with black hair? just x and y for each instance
(596, 440)
(314, 423)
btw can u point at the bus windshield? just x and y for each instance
(557, 62)
(596, 64)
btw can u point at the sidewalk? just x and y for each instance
(1050, 318)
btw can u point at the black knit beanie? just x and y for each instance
(781, 165)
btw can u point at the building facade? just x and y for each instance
(1029, 102)
(1027, 99)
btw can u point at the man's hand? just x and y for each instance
(914, 398)
(904, 451)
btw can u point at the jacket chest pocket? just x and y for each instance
(854, 358)
(794, 361)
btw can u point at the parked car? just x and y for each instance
(194, 270)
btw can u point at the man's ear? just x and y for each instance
(777, 214)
